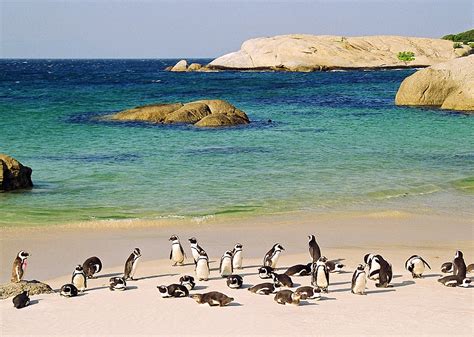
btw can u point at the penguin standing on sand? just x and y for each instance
(272, 256)
(359, 280)
(19, 266)
(385, 273)
(237, 256)
(131, 264)
(202, 267)
(314, 250)
(459, 266)
(225, 267)
(196, 249)
(177, 254)
(320, 277)
(416, 265)
(21, 300)
(92, 266)
(79, 278)
(459, 270)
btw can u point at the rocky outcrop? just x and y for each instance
(33, 287)
(180, 66)
(313, 53)
(204, 113)
(448, 85)
(13, 175)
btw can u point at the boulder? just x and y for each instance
(180, 66)
(13, 175)
(300, 52)
(194, 67)
(203, 113)
(448, 85)
(34, 287)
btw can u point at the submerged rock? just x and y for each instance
(13, 175)
(448, 85)
(204, 113)
(33, 287)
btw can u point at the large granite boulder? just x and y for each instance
(180, 66)
(13, 175)
(204, 113)
(33, 287)
(300, 52)
(448, 85)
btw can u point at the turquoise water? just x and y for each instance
(335, 142)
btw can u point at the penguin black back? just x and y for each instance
(314, 250)
(21, 300)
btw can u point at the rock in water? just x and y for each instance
(204, 113)
(13, 175)
(448, 85)
(33, 287)
(180, 66)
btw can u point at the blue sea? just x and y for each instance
(322, 142)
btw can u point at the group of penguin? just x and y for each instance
(375, 268)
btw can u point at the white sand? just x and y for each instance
(411, 307)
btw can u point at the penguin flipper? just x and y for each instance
(426, 263)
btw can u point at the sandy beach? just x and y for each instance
(407, 308)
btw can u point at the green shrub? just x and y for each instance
(464, 37)
(471, 44)
(457, 45)
(406, 56)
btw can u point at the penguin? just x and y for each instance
(265, 272)
(202, 267)
(416, 265)
(187, 281)
(117, 283)
(21, 300)
(131, 264)
(308, 292)
(213, 298)
(320, 276)
(374, 267)
(177, 254)
(447, 267)
(79, 278)
(314, 250)
(237, 256)
(235, 281)
(470, 268)
(272, 256)
(225, 267)
(19, 266)
(299, 270)
(282, 280)
(359, 280)
(264, 288)
(173, 290)
(451, 281)
(196, 250)
(385, 272)
(459, 266)
(334, 267)
(92, 266)
(287, 297)
(68, 290)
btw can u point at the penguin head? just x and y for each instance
(162, 289)
(186, 278)
(193, 240)
(360, 267)
(79, 268)
(311, 238)
(228, 253)
(197, 298)
(368, 257)
(458, 254)
(238, 246)
(278, 247)
(466, 282)
(173, 238)
(23, 255)
(323, 259)
(137, 252)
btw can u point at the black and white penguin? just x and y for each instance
(213, 298)
(455, 281)
(320, 276)
(287, 297)
(187, 281)
(68, 290)
(299, 270)
(225, 267)
(173, 290)
(359, 280)
(385, 272)
(21, 300)
(92, 266)
(447, 267)
(117, 283)
(308, 292)
(19, 266)
(334, 267)
(459, 266)
(237, 256)
(271, 257)
(416, 265)
(264, 288)
(79, 278)
(235, 281)
(131, 264)
(282, 280)
(202, 267)
(196, 249)
(374, 268)
(314, 250)
(177, 254)
(265, 272)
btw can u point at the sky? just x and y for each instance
(207, 28)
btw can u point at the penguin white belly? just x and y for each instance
(134, 267)
(79, 281)
(195, 253)
(237, 260)
(374, 269)
(202, 270)
(177, 255)
(418, 267)
(274, 259)
(226, 268)
(321, 279)
(360, 284)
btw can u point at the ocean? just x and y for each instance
(322, 142)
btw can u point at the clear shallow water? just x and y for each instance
(335, 141)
